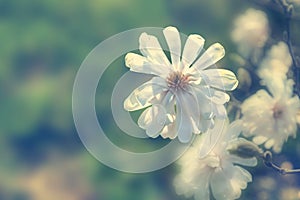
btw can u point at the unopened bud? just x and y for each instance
(244, 149)
(268, 156)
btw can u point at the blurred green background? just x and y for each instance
(43, 43)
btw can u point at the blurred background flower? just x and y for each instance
(251, 32)
(42, 46)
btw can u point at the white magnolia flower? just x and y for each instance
(183, 96)
(251, 31)
(276, 64)
(271, 119)
(217, 171)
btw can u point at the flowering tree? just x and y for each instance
(188, 95)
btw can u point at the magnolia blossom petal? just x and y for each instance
(169, 131)
(260, 99)
(235, 129)
(220, 97)
(275, 64)
(220, 78)
(204, 96)
(211, 138)
(181, 187)
(192, 49)
(140, 64)
(205, 124)
(260, 139)
(173, 39)
(153, 120)
(203, 192)
(270, 143)
(220, 111)
(141, 97)
(222, 187)
(184, 127)
(188, 115)
(212, 55)
(241, 177)
(131, 103)
(213, 95)
(151, 49)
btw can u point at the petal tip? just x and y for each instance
(170, 28)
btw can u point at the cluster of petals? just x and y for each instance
(216, 173)
(251, 31)
(183, 96)
(276, 64)
(271, 117)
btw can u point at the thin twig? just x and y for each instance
(267, 158)
(288, 12)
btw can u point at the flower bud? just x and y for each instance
(244, 149)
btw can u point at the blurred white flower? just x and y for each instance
(217, 171)
(295, 2)
(60, 178)
(251, 31)
(276, 64)
(271, 119)
(184, 96)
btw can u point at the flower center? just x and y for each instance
(177, 80)
(277, 111)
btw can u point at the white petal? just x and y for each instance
(153, 120)
(259, 139)
(141, 96)
(192, 49)
(182, 187)
(184, 128)
(131, 103)
(241, 177)
(203, 96)
(218, 97)
(212, 137)
(189, 113)
(169, 131)
(289, 87)
(186, 115)
(220, 111)
(221, 186)
(202, 192)
(173, 39)
(234, 129)
(220, 78)
(140, 64)
(276, 86)
(269, 143)
(212, 55)
(150, 47)
(205, 124)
